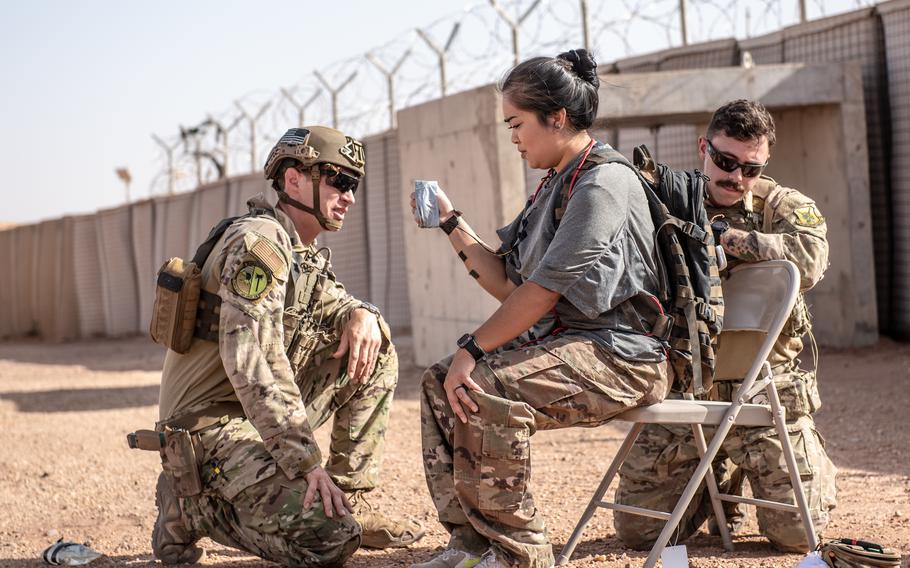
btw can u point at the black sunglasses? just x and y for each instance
(729, 165)
(339, 179)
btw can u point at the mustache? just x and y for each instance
(728, 183)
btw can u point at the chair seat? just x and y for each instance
(697, 412)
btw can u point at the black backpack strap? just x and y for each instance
(208, 311)
(205, 249)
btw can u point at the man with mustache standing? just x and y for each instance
(754, 219)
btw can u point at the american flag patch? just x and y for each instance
(295, 137)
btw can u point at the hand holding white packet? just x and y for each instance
(427, 209)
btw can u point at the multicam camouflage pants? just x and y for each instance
(478, 472)
(250, 504)
(663, 459)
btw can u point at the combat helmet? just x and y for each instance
(311, 147)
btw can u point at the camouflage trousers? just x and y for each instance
(664, 457)
(250, 504)
(478, 472)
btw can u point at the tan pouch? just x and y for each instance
(178, 460)
(176, 300)
(849, 553)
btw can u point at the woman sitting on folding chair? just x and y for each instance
(576, 275)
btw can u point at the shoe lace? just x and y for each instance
(449, 553)
(359, 500)
(489, 560)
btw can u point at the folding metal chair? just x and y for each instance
(758, 299)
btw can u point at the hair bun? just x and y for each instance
(583, 65)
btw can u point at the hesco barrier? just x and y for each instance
(100, 279)
(94, 275)
(855, 36)
(896, 23)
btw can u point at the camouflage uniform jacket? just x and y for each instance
(781, 223)
(252, 268)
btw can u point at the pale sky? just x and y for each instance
(85, 83)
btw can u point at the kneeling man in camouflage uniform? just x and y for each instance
(754, 219)
(279, 348)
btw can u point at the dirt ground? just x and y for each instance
(65, 470)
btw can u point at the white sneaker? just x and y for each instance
(490, 560)
(450, 558)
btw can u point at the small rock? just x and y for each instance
(53, 533)
(600, 558)
(898, 514)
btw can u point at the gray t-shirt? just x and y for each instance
(601, 254)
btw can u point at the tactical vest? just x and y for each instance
(688, 315)
(760, 207)
(302, 334)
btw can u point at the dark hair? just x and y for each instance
(743, 120)
(544, 85)
(286, 164)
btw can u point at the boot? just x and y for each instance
(736, 521)
(450, 558)
(172, 542)
(380, 531)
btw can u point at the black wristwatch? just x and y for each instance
(469, 343)
(718, 227)
(370, 308)
(449, 224)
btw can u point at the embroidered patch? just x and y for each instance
(808, 216)
(353, 151)
(266, 253)
(252, 280)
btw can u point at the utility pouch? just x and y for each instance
(148, 440)
(851, 553)
(178, 460)
(176, 301)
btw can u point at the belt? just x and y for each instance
(217, 414)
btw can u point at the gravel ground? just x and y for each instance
(66, 472)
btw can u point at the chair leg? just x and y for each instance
(716, 504)
(697, 477)
(780, 422)
(617, 462)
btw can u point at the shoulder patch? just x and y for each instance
(252, 281)
(808, 216)
(266, 253)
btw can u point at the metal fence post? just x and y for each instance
(334, 93)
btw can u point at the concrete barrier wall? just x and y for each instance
(461, 142)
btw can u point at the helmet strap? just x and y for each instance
(327, 224)
(316, 211)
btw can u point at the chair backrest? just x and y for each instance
(758, 299)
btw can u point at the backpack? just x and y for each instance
(691, 310)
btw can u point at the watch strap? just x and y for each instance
(449, 224)
(469, 343)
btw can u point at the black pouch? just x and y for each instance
(178, 460)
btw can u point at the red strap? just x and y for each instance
(543, 181)
(578, 169)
